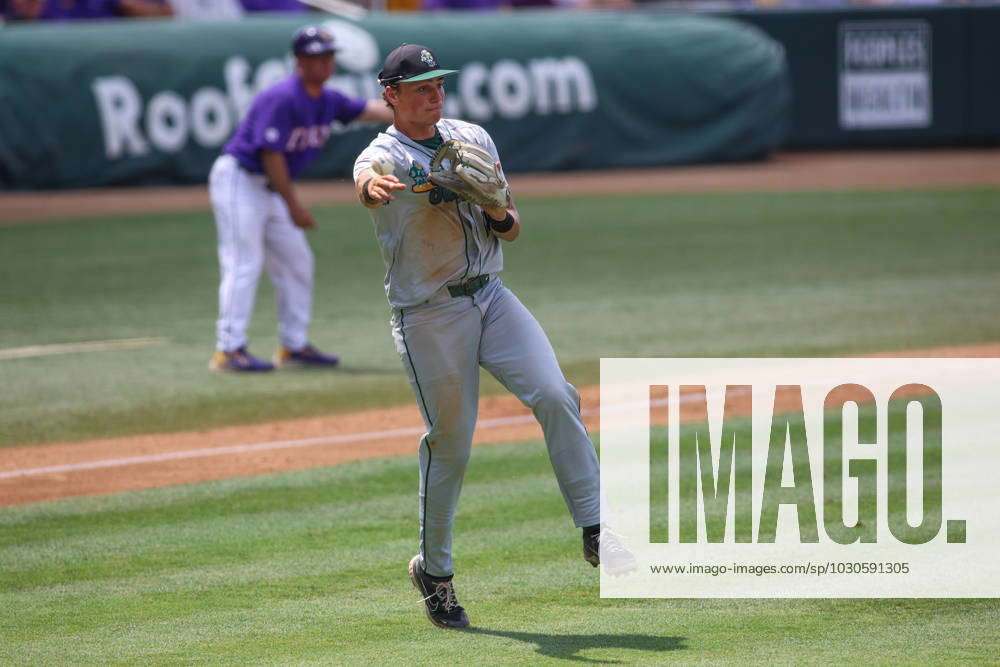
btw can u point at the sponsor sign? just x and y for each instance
(168, 122)
(159, 106)
(885, 75)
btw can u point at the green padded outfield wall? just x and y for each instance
(154, 101)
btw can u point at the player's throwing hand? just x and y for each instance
(376, 190)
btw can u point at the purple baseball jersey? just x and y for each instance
(284, 118)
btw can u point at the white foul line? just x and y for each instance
(265, 446)
(92, 346)
(244, 449)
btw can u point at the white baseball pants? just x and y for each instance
(254, 231)
(442, 345)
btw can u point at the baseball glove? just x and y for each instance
(473, 174)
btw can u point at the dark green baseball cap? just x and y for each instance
(410, 62)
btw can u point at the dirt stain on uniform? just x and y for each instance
(434, 242)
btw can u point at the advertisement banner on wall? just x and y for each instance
(155, 102)
(885, 74)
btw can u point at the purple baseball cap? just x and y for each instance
(312, 40)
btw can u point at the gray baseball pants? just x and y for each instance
(442, 344)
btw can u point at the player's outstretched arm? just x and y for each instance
(378, 111)
(505, 222)
(374, 190)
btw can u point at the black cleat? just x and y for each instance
(439, 600)
(617, 558)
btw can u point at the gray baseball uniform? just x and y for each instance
(452, 314)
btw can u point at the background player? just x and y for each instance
(258, 214)
(452, 314)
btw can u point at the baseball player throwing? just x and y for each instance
(259, 217)
(451, 312)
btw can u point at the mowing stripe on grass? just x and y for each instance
(69, 348)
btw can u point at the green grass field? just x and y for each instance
(309, 567)
(679, 275)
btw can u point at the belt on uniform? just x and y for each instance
(469, 287)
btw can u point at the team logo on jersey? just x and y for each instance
(419, 176)
(422, 184)
(304, 138)
(426, 56)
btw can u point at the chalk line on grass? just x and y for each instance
(413, 431)
(70, 348)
